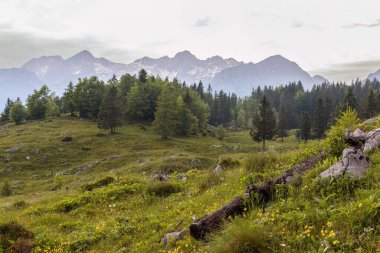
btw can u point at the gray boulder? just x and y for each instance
(372, 140)
(355, 164)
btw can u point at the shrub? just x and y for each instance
(14, 236)
(228, 162)
(21, 246)
(17, 113)
(163, 189)
(211, 180)
(220, 132)
(341, 188)
(58, 182)
(19, 204)
(72, 203)
(101, 183)
(334, 142)
(242, 237)
(259, 162)
(6, 189)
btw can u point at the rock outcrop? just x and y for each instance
(355, 164)
(355, 161)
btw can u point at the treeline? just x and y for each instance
(175, 108)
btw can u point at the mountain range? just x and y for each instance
(227, 74)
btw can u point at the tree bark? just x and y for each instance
(254, 195)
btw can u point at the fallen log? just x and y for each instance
(258, 195)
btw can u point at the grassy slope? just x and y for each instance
(123, 216)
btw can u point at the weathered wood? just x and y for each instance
(212, 221)
(253, 195)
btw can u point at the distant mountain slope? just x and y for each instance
(374, 75)
(274, 70)
(227, 74)
(184, 66)
(16, 83)
(57, 72)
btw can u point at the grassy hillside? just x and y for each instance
(132, 211)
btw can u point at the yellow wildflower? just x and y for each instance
(332, 234)
(336, 242)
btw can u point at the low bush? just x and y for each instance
(14, 237)
(20, 204)
(98, 184)
(163, 189)
(263, 161)
(228, 162)
(6, 189)
(210, 181)
(242, 237)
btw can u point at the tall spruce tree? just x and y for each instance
(370, 106)
(5, 117)
(110, 115)
(165, 122)
(68, 99)
(349, 100)
(305, 127)
(283, 118)
(320, 119)
(143, 76)
(264, 123)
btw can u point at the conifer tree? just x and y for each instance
(186, 121)
(349, 100)
(305, 127)
(143, 76)
(165, 122)
(68, 99)
(4, 118)
(200, 90)
(283, 119)
(264, 123)
(370, 105)
(110, 115)
(320, 119)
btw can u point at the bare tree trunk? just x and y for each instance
(258, 195)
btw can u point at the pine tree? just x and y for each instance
(186, 121)
(370, 106)
(283, 119)
(264, 123)
(165, 122)
(320, 119)
(4, 118)
(200, 90)
(110, 115)
(349, 100)
(68, 99)
(143, 76)
(305, 127)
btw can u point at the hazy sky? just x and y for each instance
(339, 39)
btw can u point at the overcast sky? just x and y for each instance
(339, 39)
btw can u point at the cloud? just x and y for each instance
(349, 71)
(369, 25)
(294, 23)
(202, 22)
(297, 24)
(16, 47)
